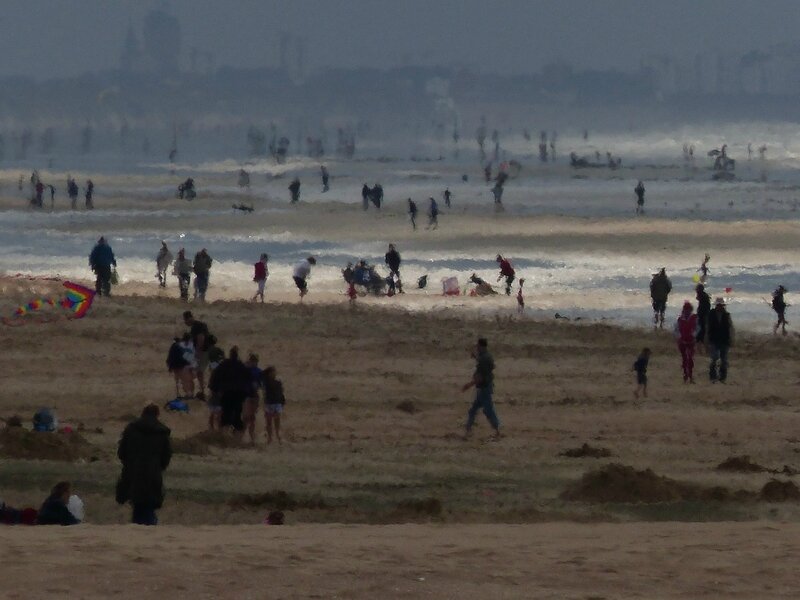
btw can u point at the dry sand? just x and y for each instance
(643, 560)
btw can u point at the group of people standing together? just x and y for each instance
(38, 187)
(234, 386)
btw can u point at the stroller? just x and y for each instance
(367, 278)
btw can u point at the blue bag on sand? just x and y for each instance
(177, 405)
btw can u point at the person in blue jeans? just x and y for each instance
(483, 382)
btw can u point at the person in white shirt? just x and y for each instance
(301, 272)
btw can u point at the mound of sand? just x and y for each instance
(277, 500)
(741, 464)
(624, 484)
(586, 451)
(16, 442)
(779, 491)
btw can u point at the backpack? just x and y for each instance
(44, 420)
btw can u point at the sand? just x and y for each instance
(642, 560)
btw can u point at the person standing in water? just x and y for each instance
(433, 215)
(182, 269)
(703, 270)
(660, 287)
(412, 213)
(163, 261)
(639, 191)
(685, 332)
(483, 382)
(261, 272)
(294, 189)
(392, 259)
(89, 194)
(325, 178)
(779, 306)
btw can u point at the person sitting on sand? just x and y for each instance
(261, 272)
(251, 402)
(640, 366)
(483, 382)
(274, 402)
(54, 510)
(685, 332)
(301, 273)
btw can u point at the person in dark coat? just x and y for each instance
(101, 260)
(779, 306)
(54, 510)
(231, 381)
(720, 339)
(393, 260)
(144, 451)
(703, 309)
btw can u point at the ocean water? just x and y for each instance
(591, 285)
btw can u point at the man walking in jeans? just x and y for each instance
(483, 381)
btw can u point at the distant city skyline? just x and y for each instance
(63, 38)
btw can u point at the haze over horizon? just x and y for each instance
(62, 38)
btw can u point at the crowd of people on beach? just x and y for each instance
(38, 187)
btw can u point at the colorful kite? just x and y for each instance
(76, 302)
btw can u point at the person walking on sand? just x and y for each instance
(447, 196)
(483, 382)
(202, 340)
(640, 366)
(703, 310)
(393, 260)
(202, 273)
(231, 382)
(274, 403)
(144, 451)
(163, 261)
(779, 306)
(412, 213)
(433, 215)
(261, 272)
(685, 332)
(52, 190)
(507, 271)
(294, 190)
(301, 273)
(720, 339)
(660, 287)
(365, 194)
(89, 194)
(101, 260)
(182, 269)
(325, 178)
(520, 297)
(639, 191)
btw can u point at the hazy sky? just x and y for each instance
(65, 37)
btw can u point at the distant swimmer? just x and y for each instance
(163, 261)
(294, 189)
(507, 271)
(412, 213)
(447, 196)
(639, 191)
(660, 288)
(433, 215)
(89, 194)
(325, 178)
(301, 273)
(779, 306)
(260, 274)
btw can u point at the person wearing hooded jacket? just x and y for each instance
(660, 287)
(144, 451)
(101, 260)
(720, 339)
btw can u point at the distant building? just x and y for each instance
(160, 49)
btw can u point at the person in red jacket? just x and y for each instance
(260, 276)
(685, 334)
(507, 271)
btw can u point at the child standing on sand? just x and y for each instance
(640, 366)
(251, 402)
(274, 401)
